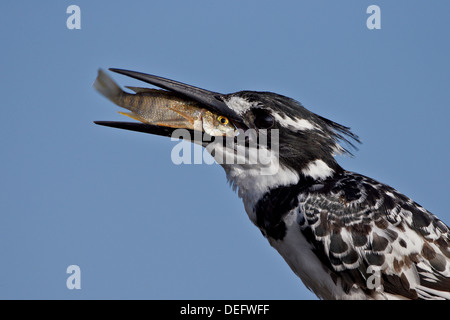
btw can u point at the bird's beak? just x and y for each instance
(201, 139)
(210, 100)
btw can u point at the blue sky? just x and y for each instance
(113, 203)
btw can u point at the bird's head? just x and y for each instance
(298, 143)
(305, 139)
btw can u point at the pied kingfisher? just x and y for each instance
(345, 235)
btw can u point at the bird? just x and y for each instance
(345, 235)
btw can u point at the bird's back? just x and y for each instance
(350, 236)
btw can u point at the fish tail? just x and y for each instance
(107, 87)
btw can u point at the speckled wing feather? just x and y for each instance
(370, 237)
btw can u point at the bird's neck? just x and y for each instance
(254, 182)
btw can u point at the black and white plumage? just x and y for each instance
(353, 224)
(345, 235)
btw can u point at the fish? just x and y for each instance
(163, 108)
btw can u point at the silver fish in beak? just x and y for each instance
(161, 108)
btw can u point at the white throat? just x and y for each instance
(252, 185)
(253, 171)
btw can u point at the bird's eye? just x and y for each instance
(263, 120)
(222, 120)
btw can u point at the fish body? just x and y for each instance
(163, 108)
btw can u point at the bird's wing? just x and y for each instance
(373, 238)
